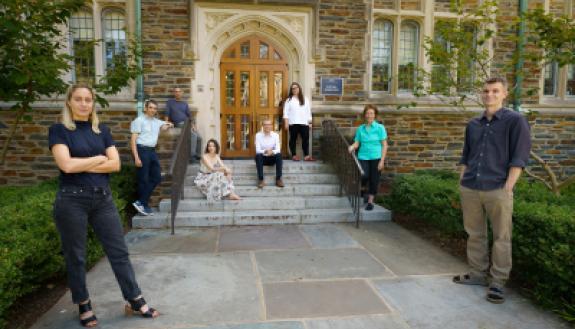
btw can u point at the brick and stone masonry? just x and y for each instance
(418, 140)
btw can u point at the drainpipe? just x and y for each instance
(140, 78)
(520, 55)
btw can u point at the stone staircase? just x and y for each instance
(310, 195)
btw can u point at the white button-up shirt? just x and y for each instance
(297, 114)
(268, 141)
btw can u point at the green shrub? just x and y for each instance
(29, 243)
(432, 198)
(543, 231)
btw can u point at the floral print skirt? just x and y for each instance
(214, 186)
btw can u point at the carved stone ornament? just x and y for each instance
(296, 23)
(213, 19)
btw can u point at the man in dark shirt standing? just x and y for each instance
(177, 112)
(495, 151)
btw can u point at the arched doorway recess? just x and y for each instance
(253, 81)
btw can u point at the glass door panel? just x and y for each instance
(263, 89)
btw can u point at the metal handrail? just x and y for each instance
(334, 150)
(178, 169)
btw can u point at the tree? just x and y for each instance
(32, 60)
(459, 55)
(461, 61)
(554, 40)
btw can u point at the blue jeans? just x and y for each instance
(149, 174)
(262, 161)
(74, 209)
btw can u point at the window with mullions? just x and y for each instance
(408, 46)
(82, 45)
(114, 35)
(571, 80)
(550, 79)
(382, 46)
(466, 64)
(462, 71)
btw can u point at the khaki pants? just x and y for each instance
(498, 206)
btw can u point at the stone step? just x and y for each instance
(192, 192)
(256, 203)
(288, 167)
(251, 179)
(258, 217)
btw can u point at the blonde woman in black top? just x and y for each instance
(85, 154)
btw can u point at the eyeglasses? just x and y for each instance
(294, 88)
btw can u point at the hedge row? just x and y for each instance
(543, 231)
(29, 243)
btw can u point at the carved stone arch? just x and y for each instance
(234, 29)
(221, 31)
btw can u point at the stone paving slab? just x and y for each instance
(288, 265)
(437, 303)
(285, 300)
(336, 278)
(403, 252)
(388, 321)
(261, 237)
(161, 241)
(186, 289)
(328, 236)
(265, 325)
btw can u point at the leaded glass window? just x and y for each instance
(382, 46)
(82, 45)
(114, 32)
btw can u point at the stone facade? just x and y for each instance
(434, 139)
(184, 40)
(342, 30)
(29, 160)
(165, 40)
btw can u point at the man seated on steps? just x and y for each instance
(268, 153)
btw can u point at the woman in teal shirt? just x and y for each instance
(371, 139)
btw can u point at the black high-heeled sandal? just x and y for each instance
(90, 322)
(135, 306)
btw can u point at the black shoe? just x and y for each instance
(369, 206)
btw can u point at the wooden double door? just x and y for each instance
(253, 82)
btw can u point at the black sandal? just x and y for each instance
(135, 305)
(87, 322)
(495, 295)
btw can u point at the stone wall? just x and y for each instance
(434, 140)
(29, 160)
(166, 40)
(417, 139)
(342, 31)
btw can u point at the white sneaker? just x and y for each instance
(140, 208)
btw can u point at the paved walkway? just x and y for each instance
(329, 276)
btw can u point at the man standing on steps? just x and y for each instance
(177, 112)
(496, 149)
(145, 131)
(268, 153)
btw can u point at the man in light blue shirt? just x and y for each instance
(145, 131)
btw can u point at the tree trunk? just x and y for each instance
(19, 114)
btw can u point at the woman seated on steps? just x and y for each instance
(214, 178)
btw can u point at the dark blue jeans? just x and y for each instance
(149, 174)
(262, 161)
(74, 208)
